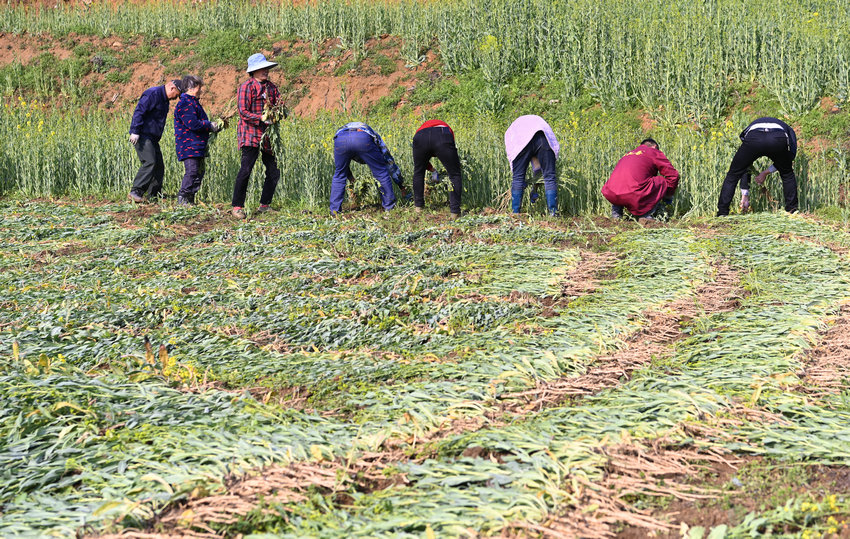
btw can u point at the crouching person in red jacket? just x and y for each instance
(641, 180)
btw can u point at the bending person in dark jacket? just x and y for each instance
(640, 181)
(765, 137)
(435, 138)
(192, 130)
(359, 142)
(145, 132)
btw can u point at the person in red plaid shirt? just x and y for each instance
(250, 132)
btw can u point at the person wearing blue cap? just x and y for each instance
(359, 142)
(252, 97)
(145, 131)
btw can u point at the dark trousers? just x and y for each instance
(440, 143)
(194, 167)
(773, 144)
(148, 180)
(240, 187)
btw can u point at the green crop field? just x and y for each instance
(171, 371)
(406, 377)
(697, 72)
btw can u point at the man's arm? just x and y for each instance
(142, 107)
(763, 174)
(666, 169)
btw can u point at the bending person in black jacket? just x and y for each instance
(765, 137)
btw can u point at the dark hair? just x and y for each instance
(189, 82)
(650, 141)
(179, 84)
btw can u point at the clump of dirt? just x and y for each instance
(738, 497)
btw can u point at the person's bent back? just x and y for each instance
(640, 181)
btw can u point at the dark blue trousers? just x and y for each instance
(194, 167)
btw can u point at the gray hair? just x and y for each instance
(191, 81)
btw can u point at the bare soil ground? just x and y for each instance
(327, 86)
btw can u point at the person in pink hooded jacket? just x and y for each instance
(641, 180)
(530, 140)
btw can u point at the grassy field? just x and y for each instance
(173, 372)
(46, 153)
(399, 375)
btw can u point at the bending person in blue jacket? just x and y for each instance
(145, 132)
(192, 130)
(359, 142)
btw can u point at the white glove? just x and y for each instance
(134, 138)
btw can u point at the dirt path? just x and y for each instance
(722, 294)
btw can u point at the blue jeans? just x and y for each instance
(537, 147)
(358, 145)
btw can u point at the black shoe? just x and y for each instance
(184, 201)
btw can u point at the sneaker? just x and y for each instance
(417, 209)
(238, 212)
(136, 197)
(264, 208)
(454, 216)
(184, 201)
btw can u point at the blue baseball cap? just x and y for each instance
(258, 61)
